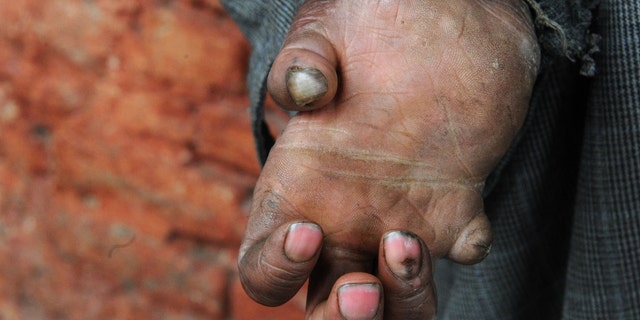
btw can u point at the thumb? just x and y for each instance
(303, 76)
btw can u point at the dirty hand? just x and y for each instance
(406, 107)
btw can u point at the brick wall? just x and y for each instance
(126, 161)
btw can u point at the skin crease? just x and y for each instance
(424, 99)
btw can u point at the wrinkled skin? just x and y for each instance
(423, 99)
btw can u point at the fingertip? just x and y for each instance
(303, 241)
(303, 76)
(274, 269)
(359, 301)
(406, 271)
(402, 254)
(474, 242)
(354, 296)
(305, 85)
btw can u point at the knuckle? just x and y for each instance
(270, 283)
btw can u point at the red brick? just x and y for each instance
(24, 145)
(224, 134)
(177, 44)
(70, 259)
(199, 198)
(126, 160)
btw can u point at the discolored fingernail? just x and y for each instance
(359, 301)
(306, 85)
(303, 241)
(403, 254)
(474, 242)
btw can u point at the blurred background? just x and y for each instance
(126, 161)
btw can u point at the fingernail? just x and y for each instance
(306, 85)
(403, 254)
(359, 301)
(303, 241)
(474, 243)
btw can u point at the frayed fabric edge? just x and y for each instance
(564, 30)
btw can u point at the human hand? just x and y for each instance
(400, 288)
(408, 106)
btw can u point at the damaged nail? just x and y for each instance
(306, 85)
(403, 254)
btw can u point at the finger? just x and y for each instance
(333, 263)
(274, 269)
(406, 272)
(303, 76)
(355, 296)
(474, 242)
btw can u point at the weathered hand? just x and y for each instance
(407, 107)
(274, 270)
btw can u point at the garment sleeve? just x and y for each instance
(563, 29)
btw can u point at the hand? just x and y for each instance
(407, 107)
(404, 270)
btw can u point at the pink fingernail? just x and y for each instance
(303, 241)
(359, 301)
(403, 254)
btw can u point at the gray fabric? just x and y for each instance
(264, 24)
(564, 31)
(565, 202)
(566, 209)
(603, 278)
(530, 209)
